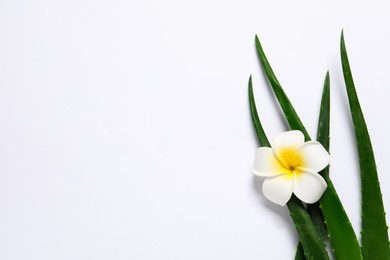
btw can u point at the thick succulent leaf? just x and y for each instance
(292, 117)
(348, 248)
(300, 255)
(323, 135)
(375, 242)
(343, 237)
(312, 244)
(311, 241)
(255, 117)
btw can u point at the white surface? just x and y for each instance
(125, 129)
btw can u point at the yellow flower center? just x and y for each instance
(290, 161)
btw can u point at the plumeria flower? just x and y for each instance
(292, 166)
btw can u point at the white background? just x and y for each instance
(125, 130)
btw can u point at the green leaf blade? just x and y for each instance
(343, 237)
(314, 247)
(323, 128)
(349, 246)
(312, 244)
(291, 116)
(375, 242)
(255, 117)
(299, 255)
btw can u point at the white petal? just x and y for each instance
(278, 189)
(309, 186)
(266, 163)
(312, 156)
(290, 140)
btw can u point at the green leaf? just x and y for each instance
(317, 217)
(300, 255)
(314, 210)
(314, 247)
(374, 229)
(291, 117)
(323, 128)
(255, 117)
(323, 136)
(339, 226)
(344, 241)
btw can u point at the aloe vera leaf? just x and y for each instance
(323, 136)
(299, 255)
(292, 118)
(314, 247)
(314, 210)
(312, 244)
(374, 229)
(255, 117)
(323, 128)
(343, 237)
(338, 224)
(317, 217)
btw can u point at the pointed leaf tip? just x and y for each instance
(374, 229)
